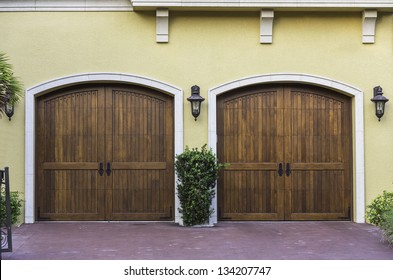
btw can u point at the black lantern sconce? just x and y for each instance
(9, 108)
(379, 101)
(196, 101)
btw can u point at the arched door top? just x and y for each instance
(287, 78)
(85, 78)
(301, 78)
(80, 79)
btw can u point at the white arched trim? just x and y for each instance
(355, 93)
(86, 78)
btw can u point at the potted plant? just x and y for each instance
(197, 173)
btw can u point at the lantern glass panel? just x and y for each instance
(195, 105)
(380, 106)
(195, 108)
(8, 107)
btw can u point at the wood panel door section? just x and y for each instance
(289, 154)
(319, 154)
(127, 132)
(250, 138)
(69, 145)
(141, 155)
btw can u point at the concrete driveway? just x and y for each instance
(227, 240)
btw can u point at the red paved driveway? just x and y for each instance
(227, 240)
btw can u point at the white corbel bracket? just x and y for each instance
(266, 32)
(369, 21)
(162, 25)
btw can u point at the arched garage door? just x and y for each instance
(289, 154)
(104, 153)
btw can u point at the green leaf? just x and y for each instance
(197, 173)
(11, 88)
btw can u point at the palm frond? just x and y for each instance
(11, 89)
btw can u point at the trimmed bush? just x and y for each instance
(378, 207)
(16, 207)
(197, 172)
(387, 226)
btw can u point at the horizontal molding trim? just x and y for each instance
(130, 5)
(64, 5)
(334, 4)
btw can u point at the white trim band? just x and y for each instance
(65, 5)
(295, 4)
(129, 5)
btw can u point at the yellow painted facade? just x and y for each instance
(206, 48)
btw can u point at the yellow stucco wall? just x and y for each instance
(207, 49)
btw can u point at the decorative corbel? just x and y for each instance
(162, 25)
(266, 32)
(369, 21)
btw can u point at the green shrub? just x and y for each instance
(197, 172)
(387, 226)
(378, 207)
(16, 207)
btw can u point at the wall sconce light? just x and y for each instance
(379, 101)
(9, 108)
(196, 101)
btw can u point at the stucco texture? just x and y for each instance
(207, 49)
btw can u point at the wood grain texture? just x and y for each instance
(306, 128)
(129, 128)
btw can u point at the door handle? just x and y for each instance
(288, 169)
(108, 168)
(280, 170)
(101, 168)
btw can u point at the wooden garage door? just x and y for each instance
(105, 153)
(289, 150)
